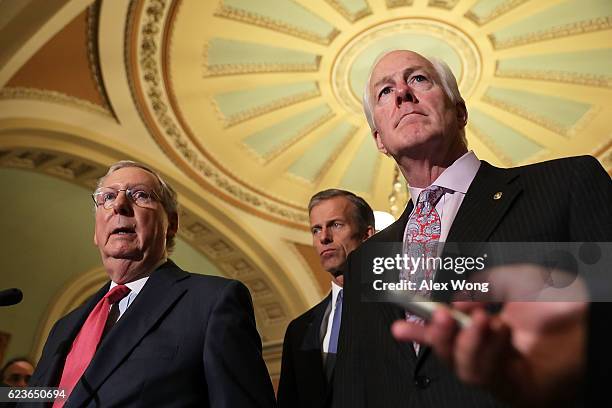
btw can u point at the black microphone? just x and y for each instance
(10, 297)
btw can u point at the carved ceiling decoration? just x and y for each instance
(261, 101)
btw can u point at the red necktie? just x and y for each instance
(86, 342)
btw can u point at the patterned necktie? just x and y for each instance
(421, 242)
(86, 342)
(335, 330)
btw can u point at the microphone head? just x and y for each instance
(10, 297)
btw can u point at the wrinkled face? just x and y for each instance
(129, 232)
(18, 374)
(334, 231)
(412, 113)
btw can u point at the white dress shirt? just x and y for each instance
(135, 288)
(335, 290)
(456, 180)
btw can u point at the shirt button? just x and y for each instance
(421, 381)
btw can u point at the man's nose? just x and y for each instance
(404, 94)
(122, 204)
(326, 236)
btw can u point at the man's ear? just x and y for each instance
(462, 114)
(369, 232)
(173, 224)
(95, 238)
(379, 144)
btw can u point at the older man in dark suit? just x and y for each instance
(339, 221)
(154, 335)
(418, 117)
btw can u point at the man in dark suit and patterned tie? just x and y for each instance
(154, 335)
(418, 117)
(339, 221)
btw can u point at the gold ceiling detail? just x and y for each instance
(263, 21)
(259, 119)
(155, 105)
(19, 92)
(352, 17)
(501, 9)
(588, 79)
(575, 28)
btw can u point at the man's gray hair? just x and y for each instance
(167, 194)
(447, 80)
(362, 214)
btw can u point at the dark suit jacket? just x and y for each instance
(186, 340)
(561, 200)
(303, 382)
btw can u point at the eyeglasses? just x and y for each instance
(106, 196)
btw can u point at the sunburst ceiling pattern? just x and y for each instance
(268, 93)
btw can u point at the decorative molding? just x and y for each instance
(35, 94)
(542, 121)
(210, 70)
(92, 21)
(245, 115)
(501, 9)
(245, 16)
(565, 30)
(398, 3)
(445, 4)
(281, 148)
(601, 81)
(351, 17)
(328, 163)
(155, 107)
(487, 141)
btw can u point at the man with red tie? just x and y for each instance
(154, 335)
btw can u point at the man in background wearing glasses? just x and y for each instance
(154, 335)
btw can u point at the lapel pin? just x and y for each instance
(497, 195)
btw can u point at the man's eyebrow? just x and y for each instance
(389, 78)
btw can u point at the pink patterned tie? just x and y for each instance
(86, 342)
(421, 242)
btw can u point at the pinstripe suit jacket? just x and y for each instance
(560, 200)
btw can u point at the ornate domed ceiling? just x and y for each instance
(261, 99)
(249, 107)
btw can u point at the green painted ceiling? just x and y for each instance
(280, 83)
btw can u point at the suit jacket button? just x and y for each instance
(421, 381)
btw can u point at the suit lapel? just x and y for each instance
(481, 212)
(479, 215)
(52, 366)
(310, 355)
(391, 312)
(158, 295)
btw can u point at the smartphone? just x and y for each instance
(424, 308)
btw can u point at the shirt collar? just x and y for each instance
(335, 290)
(457, 177)
(137, 285)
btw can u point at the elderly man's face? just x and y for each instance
(18, 374)
(335, 233)
(413, 115)
(129, 233)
